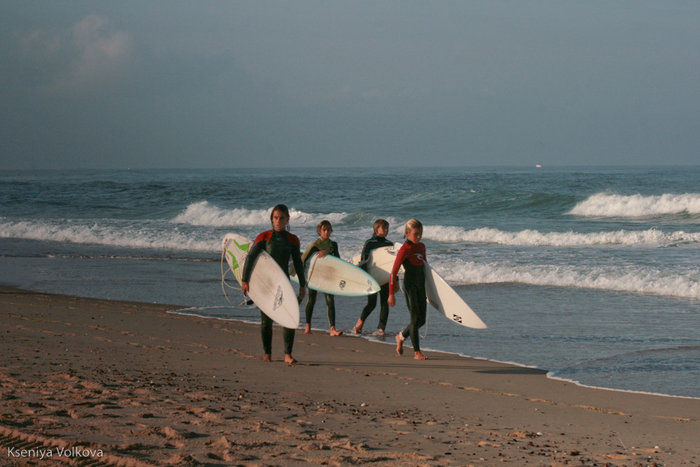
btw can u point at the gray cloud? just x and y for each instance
(89, 55)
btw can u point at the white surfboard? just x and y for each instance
(270, 288)
(446, 300)
(380, 262)
(332, 275)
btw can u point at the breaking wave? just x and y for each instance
(654, 282)
(96, 234)
(679, 283)
(612, 205)
(204, 214)
(649, 237)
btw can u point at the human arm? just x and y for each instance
(299, 267)
(258, 246)
(394, 276)
(253, 254)
(301, 294)
(364, 256)
(311, 249)
(335, 251)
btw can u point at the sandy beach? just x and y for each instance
(85, 380)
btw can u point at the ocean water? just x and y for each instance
(590, 273)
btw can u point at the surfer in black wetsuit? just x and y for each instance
(412, 257)
(323, 245)
(282, 246)
(378, 240)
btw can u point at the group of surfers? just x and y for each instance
(284, 246)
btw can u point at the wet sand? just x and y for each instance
(131, 384)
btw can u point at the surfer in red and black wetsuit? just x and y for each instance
(282, 246)
(412, 257)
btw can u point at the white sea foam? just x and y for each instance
(145, 237)
(97, 234)
(685, 284)
(613, 205)
(553, 376)
(677, 282)
(649, 237)
(203, 213)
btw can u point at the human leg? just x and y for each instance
(383, 307)
(330, 304)
(371, 303)
(266, 334)
(288, 345)
(415, 298)
(310, 303)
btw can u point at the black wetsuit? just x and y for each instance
(371, 244)
(332, 248)
(281, 246)
(412, 257)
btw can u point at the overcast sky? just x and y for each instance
(164, 83)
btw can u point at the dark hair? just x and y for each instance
(281, 208)
(380, 223)
(322, 224)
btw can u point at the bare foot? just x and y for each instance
(358, 326)
(267, 357)
(419, 356)
(307, 329)
(335, 333)
(399, 344)
(289, 359)
(380, 333)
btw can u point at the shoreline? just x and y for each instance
(149, 386)
(549, 374)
